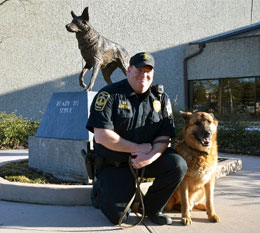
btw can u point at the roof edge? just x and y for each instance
(226, 35)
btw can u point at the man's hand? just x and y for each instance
(140, 159)
(143, 158)
(143, 154)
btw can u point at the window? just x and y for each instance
(258, 96)
(225, 96)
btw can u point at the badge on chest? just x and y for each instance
(156, 105)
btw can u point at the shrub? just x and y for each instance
(14, 131)
(236, 137)
(179, 123)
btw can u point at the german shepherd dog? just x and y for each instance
(97, 51)
(198, 146)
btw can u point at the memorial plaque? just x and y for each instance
(66, 116)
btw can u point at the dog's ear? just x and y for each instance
(216, 122)
(214, 119)
(73, 15)
(185, 115)
(85, 14)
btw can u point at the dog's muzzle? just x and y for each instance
(72, 28)
(204, 138)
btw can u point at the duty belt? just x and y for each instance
(117, 164)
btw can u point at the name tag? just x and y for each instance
(124, 105)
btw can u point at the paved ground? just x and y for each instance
(237, 202)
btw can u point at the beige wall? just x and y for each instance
(229, 59)
(38, 56)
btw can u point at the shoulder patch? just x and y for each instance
(101, 100)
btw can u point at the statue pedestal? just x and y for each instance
(62, 134)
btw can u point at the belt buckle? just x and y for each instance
(116, 164)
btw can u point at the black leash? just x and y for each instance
(162, 141)
(138, 191)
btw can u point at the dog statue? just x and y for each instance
(198, 146)
(97, 51)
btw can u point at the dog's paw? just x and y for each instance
(214, 218)
(186, 221)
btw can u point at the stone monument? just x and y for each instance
(62, 134)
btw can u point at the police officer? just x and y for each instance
(132, 118)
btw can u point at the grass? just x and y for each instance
(21, 172)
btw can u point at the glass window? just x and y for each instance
(205, 94)
(225, 96)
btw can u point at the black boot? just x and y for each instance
(160, 219)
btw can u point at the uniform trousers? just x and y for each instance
(116, 185)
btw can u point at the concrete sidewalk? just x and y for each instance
(237, 203)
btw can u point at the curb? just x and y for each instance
(227, 166)
(76, 195)
(48, 194)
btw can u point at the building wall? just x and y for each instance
(228, 59)
(38, 56)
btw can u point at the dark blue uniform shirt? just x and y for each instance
(137, 118)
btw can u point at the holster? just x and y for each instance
(89, 157)
(93, 162)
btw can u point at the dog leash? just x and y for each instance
(139, 192)
(162, 141)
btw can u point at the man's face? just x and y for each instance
(140, 79)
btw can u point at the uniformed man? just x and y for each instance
(131, 118)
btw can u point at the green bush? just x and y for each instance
(14, 131)
(179, 123)
(235, 137)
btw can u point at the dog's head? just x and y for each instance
(200, 129)
(79, 23)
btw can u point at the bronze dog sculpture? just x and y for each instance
(198, 146)
(97, 51)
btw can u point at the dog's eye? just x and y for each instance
(197, 123)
